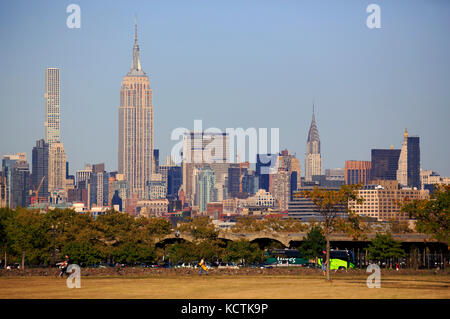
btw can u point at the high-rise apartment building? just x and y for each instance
(280, 188)
(313, 160)
(52, 105)
(382, 199)
(135, 153)
(357, 172)
(408, 172)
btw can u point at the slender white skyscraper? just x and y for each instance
(52, 106)
(135, 154)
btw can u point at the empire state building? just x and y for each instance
(135, 153)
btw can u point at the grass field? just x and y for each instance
(220, 287)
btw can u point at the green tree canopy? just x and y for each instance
(384, 247)
(314, 243)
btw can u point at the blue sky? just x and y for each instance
(233, 64)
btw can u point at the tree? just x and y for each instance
(156, 227)
(83, 252)
(6, 216)
(200, 228)
(329, 204)
(314, 243)
(432, 216)
(384, 247)
(28, 235)
(243, 251)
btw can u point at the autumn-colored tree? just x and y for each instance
(432, 215)
(330, 204)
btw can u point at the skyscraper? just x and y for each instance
(408, 172)
(202, 149)
(264, 164)
(40, 168)
(206, 191)
(385, 163)
(313, 160)
(135, 154)
(52, 106)
(56, 168)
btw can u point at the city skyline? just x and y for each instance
(376, 127)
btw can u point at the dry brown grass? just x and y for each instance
(221, 287)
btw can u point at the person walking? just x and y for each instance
(203, 267)
(324, 263)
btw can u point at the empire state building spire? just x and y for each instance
(136, 68)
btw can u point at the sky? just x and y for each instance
(233, 64)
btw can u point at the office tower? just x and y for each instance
(385, 163)
(206, 191)
(250, 183)
(8, 162)
(202, 149)
(264, 164)
(84, 175)
(313, 160)
(357, 172)
(135, 153)
(155, 161)
(99, 186)
(234, 179)
(21, 184)
(3, 186)
(52, 105)
(174, 180)
(56, 168)
(40, 168)
(408, 172)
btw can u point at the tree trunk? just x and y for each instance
(23, 260)
(6, 259)
(328, 259)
